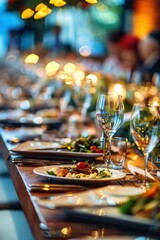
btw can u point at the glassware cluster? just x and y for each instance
(109, 113)
(144, 126)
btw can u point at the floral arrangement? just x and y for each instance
(42, 9)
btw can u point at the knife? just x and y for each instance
(50, 204)
(55, 187)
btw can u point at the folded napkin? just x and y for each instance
(111, 195)
(134, 170)
(37, 145)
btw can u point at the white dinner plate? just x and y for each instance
(44, 149)
(116, 190)
(37, 145)
(97, 197)
(18, 117)
(116, 174)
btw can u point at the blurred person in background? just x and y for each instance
(112, 62)
(149, 50)
(129, 54)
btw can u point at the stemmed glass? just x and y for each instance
(109, 113)
(144, 126)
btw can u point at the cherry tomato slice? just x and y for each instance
(98, 150)
(81, 165)
(93, 148)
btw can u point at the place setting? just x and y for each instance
(111, 202)
(77, 173)
(119, 204)
(106, 196)
(60, 148)
(132, 207)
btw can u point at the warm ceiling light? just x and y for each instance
(91, 1)
(62, 75)
(42, 12)
(69, 80)
(52, 67)
(118, 88)
(32, 58)
(69, 67)
(52, 2)
(91, 77)
(155, 103)
(138, 96)
(79, 75)
(59, 3)
(27, 13)
(39, 6)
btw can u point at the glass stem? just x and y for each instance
(103, 145)
(145, 183)
(109, 149)
(107, 154)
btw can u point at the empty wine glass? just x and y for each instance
(144, 127)
(109, 113)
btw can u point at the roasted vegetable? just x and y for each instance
(146, 205)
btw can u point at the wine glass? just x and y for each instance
(109, 113)
(144, 126)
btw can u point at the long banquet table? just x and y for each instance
(55, 223)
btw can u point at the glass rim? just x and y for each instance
(109, 94)
(120, 138)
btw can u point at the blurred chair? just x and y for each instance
(14, 226)
(3, 168)
(8, 196)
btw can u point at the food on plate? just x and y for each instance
(80, 170)
(145, 205)
(89, 144)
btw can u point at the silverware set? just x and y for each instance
(22, 161)
(56, 188)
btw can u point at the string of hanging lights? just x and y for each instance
(42, 9)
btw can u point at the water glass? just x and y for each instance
(118, 152)
(109, 114)
(144, 126)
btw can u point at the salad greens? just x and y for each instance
(87, 144)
